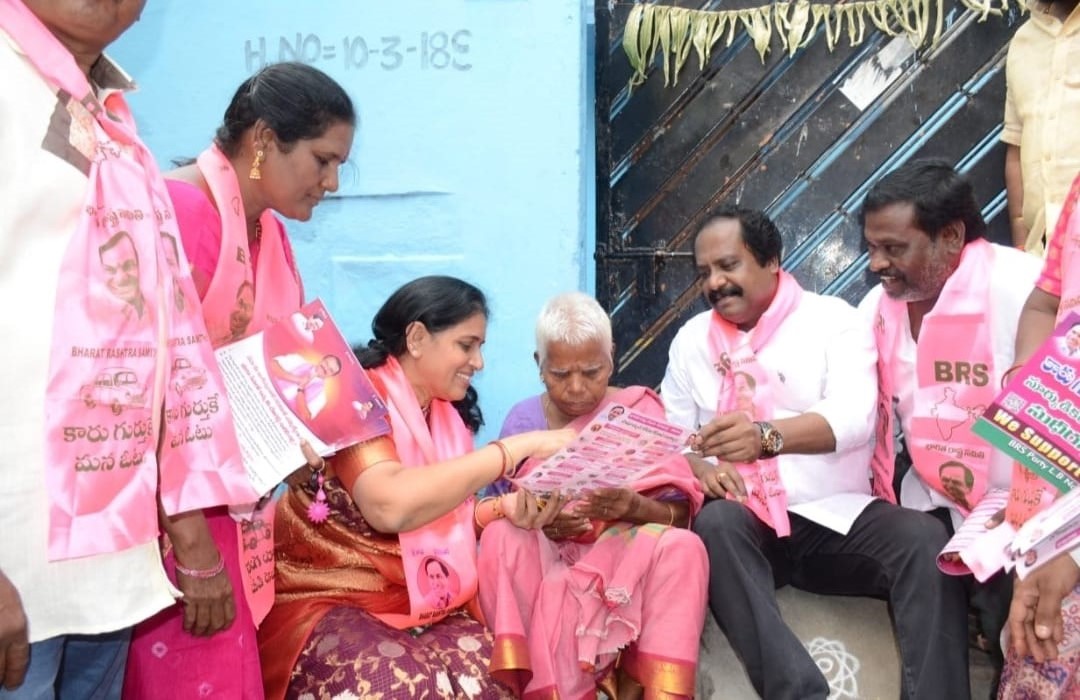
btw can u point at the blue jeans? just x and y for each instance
(75, 667)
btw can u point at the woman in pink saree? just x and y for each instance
(612, 592)
(377, 597)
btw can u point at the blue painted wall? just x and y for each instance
(473, 157)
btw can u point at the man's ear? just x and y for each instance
(536, 359)
(953, 234)
(415, 335)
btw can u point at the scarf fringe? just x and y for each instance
(673, 31)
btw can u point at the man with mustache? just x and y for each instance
(1042, 108)
(944, 318)
(806, 457)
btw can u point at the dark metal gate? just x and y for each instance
(800, 137)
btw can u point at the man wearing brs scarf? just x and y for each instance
(791, 483)
(941, 283)
(94, 447)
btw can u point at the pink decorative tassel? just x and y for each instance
(318, 511)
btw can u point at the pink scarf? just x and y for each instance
(955, 383)
(439, 558)
(231, 306)
(116, 344)
(735, 358)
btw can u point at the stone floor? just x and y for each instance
(850, 638)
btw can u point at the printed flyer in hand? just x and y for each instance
(1036, 420)
(1036, 417)
(297, 380)
(614, 449)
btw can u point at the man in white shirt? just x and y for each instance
(792, 491)
(64, 624)
(941, 282)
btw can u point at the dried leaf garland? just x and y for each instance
(673, 31)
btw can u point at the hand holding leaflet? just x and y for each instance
(297, 381)
(611, 451)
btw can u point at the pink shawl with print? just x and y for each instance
(735, 356)
(117, 345)
(450, 539)
(955, 382)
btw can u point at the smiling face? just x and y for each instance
(576, 376)
(443, 363)
(912, 266)
(296, 176)
(328, 367)
(120, 264)
(734, 284)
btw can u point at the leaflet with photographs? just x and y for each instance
(1036, 417)
(612, 450)
(297, 380)
(1036, 420)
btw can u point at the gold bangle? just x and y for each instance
(671, 513)
(507, 460)
(496, 511)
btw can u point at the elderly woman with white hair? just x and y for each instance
(612, 593)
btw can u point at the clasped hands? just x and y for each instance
(732, 438)
(600, 504)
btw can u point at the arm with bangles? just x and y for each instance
(395, 498)
(200, 573)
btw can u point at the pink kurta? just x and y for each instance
(164, 661)
(563, 611)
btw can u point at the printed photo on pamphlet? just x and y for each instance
(297, 380)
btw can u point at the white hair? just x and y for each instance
(573, 318)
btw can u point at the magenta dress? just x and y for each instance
(164, 661)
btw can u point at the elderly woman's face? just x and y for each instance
(576, 376)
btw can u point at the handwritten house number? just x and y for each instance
(437, 50)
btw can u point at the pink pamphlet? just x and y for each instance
(613, 449)
(297, 380)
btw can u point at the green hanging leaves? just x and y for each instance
(673, 31)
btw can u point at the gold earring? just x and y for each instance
(255, 173)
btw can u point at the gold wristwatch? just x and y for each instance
(772, 442)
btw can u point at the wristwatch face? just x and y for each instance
(772, 442)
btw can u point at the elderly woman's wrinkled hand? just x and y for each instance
(523, 509)
(566, 525)
(609, 504)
